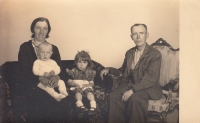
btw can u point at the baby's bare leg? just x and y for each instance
(62, 88)
(51, 92)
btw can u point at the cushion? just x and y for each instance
(158, 105)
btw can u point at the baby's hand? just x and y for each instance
(46, 74)
(52, 72)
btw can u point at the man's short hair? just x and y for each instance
(138, 24)
(40, 19)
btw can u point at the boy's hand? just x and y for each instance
(86, 85)
(77, 85)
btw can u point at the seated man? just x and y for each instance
(139, 80)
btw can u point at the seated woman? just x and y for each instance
(41, 107)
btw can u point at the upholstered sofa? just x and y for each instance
(13, 99)
(162, 110)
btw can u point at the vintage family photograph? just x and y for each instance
(89, 61)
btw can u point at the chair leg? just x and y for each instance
(164, 114)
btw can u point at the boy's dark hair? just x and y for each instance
(40, 19)
(83, 56)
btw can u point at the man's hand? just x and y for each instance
(176, 86)
(104, 72)
(126, 95)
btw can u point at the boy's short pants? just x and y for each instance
(83, 92)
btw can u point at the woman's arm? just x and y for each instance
(56, 57)
(25, 59)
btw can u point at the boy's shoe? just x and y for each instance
(82, 108)
(92, 111)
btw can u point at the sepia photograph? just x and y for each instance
(90, 61)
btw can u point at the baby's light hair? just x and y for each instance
(44, 44)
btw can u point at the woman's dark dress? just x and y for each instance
(42, 107)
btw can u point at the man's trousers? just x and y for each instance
(134, 109)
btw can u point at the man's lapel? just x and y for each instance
(144, 54)
(130, 58)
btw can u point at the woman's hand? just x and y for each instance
(104, 72)
(46, 74)
(53, 81)
(50, 74)
(44, 81)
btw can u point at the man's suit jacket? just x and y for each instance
(146, 72)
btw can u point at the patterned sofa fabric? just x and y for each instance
(16, 110)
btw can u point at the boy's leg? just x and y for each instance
(78, 97)
(79, 103)
(62, 88)
(51, 92)
(91, 98)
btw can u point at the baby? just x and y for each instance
(81, 80)
(46, 68)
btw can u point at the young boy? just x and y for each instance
(81, 81)
(46, 68)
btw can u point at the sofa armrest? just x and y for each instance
(112, 81)
(172, 91)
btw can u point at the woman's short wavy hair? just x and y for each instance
(83, 56)
(40, 19)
